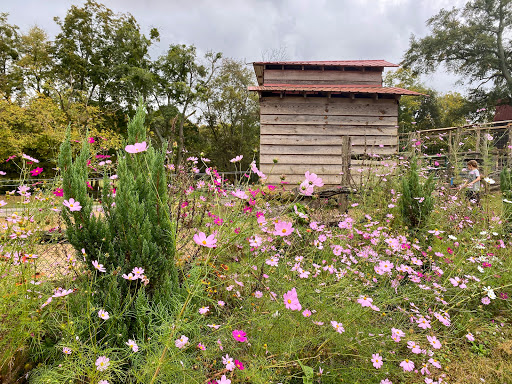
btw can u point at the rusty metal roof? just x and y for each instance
(503, 112)
(343, 63)
(334, 89)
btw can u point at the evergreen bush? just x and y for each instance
(506, 190)
(416, 202)
(134, 226)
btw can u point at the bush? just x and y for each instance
(135, 229)
(416, 202)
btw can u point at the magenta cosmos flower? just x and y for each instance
(36, 171)
(72, 205)
(136, 148)
(201, 239)
(291, 301)
(283, 228)
(240, 336)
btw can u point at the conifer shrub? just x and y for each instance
(133, 227)
(506, 190)
(417, 202)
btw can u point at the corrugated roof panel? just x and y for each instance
(503, 112)
(334, 88)
(344, 63)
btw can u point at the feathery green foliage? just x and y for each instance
(416, 202)
(134, 228)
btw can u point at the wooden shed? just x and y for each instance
(307, 107)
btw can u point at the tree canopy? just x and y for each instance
(474, 42)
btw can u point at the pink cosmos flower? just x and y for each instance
(386, 266)
(365, 301)
(102, 363)
(423, 323)
(407, 365)
(98, 266)
(239, 365)
(240, 194)
(59, 292)
(102, 314)
(291, 300)
(228, 362)
(415, 348)
(66, 350)
(313, 179)
(338, 326)
(436, 344)
(386, 381)
(258, 294)
(486, 300)
(133, 345)
(181, 342)
(236, 159)
(201, 347)
(204, 310)
(306, 313)
(306, 189)
(129, 276)
(136, 148)
(29, 158)
(435, 363)
(138, 272)
(470, 337)
(273, 261)
(224, 380)
(72, 205)
(240, 336)
(103, 382)
(283, 228)
(208, 242)
(36, 171)
(377, 360)
(91, 140)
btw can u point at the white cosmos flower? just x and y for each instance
(488, 180)
(489, 292)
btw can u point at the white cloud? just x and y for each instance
(310, 30)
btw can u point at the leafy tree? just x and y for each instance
(431, 111)
(11, 79)
(103, 57)
(231, 115)
(472, 41)
(36, 60)
(183, 83)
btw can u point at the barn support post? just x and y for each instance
(345, 168)
(477, 140)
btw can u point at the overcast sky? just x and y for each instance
(246, 29)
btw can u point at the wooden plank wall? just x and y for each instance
(292, 76)
(305, 134)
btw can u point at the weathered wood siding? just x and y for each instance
(317, 77)
(305, 134)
